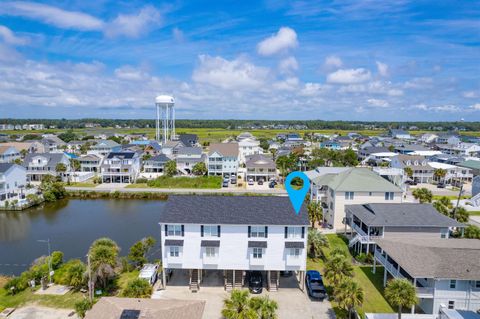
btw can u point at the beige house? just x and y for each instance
(336, 187)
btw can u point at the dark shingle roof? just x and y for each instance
(401, 215)
(5, 167)
(173, 242)
(257, 244)
(121, 154)
(294, 244)
(210, 243)
(233, 210)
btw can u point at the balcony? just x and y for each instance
(293, 260)
(210, 260)
(388, 266)
(174, 260)
(257, 261)
(425, 292)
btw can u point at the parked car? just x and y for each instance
(441, 185)
(287, 273)
(225, 183)
(233, 180)
(410, 182)
(250, 182)
(255, 282)
(260, 181)
(315, 287)
(149, 272)
(271, 184)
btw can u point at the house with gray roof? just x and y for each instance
(367, 222)
(41, 164)
(335, 187)
(445, 272)
(89, 163)
(187, 158)
(399, 134)
(260, 166)
(155, 164)
(226, 236)
(103, 147)
(422, 171)
(13, 179)
(8, 154)
(120, 167)
(223, 159)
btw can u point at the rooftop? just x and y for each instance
(233, 210)
(226, 149)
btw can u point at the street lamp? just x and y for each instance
(50, 270)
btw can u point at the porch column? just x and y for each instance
(368, 238)
(302, 278)
(268, 280)
(414, 285)
(164, 278)
(233, 283)
(374, 264)
(385, 271)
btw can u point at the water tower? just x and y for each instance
(166, 114)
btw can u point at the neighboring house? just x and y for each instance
(208, 235)
(153, 148)
(462, 149)
(120, 167)
(260, 167)
(366, 152)
(8, 154)
(474, 165)
(332, 145)
(399, 134)
(422, 172)
(248, 147)
(187, 157)
(188, 140)
(336, 187)
(223, 159)
(41, 164)
(444, 271)
(453, 172)
(369, 222)
(170, 148)
(145, 308)
(451, 139)
(155, 164)
(245, 135)
(104, 147)
(75, 146)
(13, 179)
(21, 146)
(428, 138)
(89, 163)
(410, 148)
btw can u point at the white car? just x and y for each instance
(250, 182)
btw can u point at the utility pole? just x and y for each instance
(458, 202)
(90, 284)
(50, 270)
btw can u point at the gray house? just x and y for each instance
(41, 164)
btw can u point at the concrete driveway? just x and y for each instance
(37, 312)
(292, 302)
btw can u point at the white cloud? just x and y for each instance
(378, 103)
(289, 84)
(470, 94)
(475, 106)
(382, 68)
(52, 15)
(288, 65)
(284, 39)
(178, 34)
(333, 61)
(314, 89)
(128, 72)
(10, 38)
(133, 25)
(234, 74)
(395, 92)
(129, 25)
(349, 76)
(419, 83)
(420, 106)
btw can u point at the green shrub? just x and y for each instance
(16, 284)
(141, 181)
(82, 307)
(137, 288)
(72, 274)
(364, 258)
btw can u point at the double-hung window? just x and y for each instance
(294, 232)
(210, 231)
(174, 251)
(257, 253)
(174, 230)
(389, 195)
(349, 195)
(257, 231)
(453, 284)
(210, 251)
(294, 252)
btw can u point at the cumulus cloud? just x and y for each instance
(234, 74)
(475, 106)
(129, 25)
(288, 65)
(333, 61)
(10, 38)
(419, 83)
(470, 94)
(382, 68)
(133, 25)
(130, 73)
(349, 76)
(378, 103)
(284, 39)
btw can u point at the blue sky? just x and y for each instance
(349, 60)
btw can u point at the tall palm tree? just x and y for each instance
(439, 174)
(349, 295)
(337, 268)
(314, 209)
(265, 307)
(103, 259)
(401, 293)
(238, 306)
(408, 171)
(423, 195)
(316, 242)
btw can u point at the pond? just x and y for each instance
(72, 225)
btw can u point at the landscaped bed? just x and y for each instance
(182, 182)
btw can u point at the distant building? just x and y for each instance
(41, 164)
(8, 154)
(399, 134)
(422, 171)
(120, 167)
(223, 159)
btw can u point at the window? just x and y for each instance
(294, 252)
(389, 195)
(294, 232)
(349, 195)
(210, 231)
(174, 230)
(210, 251)
(453, 284)
(257, 231)
(451, 304)
(174, 251)
(477, 284)
(257, 253)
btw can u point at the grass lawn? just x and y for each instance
(181, 182)
(474, 213)
(124, 278)
(372, 284)
(451, 197)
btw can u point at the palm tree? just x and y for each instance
(103, 260)
(439, 174)
(423, 195)
(316, 242)
(408, 171)
(265, 307)
(401, 293)
(337, 268)
(238, 306)
(314, 209)
(349, 295)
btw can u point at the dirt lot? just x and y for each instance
(36, 312)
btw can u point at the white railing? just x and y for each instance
(210, 260)
(388, 266)
(425, 292)
(292, 260)
(257, 261)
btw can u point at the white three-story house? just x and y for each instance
(227, 236)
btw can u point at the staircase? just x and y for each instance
(228, 280)
(354, 240)
(274, 281)
(194, 282)
(475, 200)
(238, 279)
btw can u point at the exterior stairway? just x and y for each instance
(475, 200)
(228, 280)
(274, 279)
(194, 280)
(238, 279)
(354, 240)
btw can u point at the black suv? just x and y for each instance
(255, 282)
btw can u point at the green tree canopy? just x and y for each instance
(423, 195)
(137, 288)
(199, 169)
(170, 168)
(401, 293)
(138, 251)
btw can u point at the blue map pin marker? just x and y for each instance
(297, 196)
